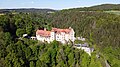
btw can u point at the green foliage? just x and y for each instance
(102, 7)
(95, 62)
(99, 28)
(85, 60)
(32, 64)
(112, 55)
(71, 59)
(79, 42)
(20, 32)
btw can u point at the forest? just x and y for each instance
(101, 7)
(101, 30)
(27, 10)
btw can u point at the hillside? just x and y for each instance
(100, 29)
(102, 7)
(27, 10)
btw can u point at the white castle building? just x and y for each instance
(61, 35)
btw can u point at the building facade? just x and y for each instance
(61, 35)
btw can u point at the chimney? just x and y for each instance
(44, 29)
(70, 28)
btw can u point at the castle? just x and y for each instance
(61, 35)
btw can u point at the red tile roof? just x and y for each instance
(47, 33)
(61, 30)
(43, 33)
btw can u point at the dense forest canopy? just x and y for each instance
(101, 30)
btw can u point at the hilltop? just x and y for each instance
(102, 7)
(27, 10)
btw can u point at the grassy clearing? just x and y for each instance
(113, 12)
(1, 14)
